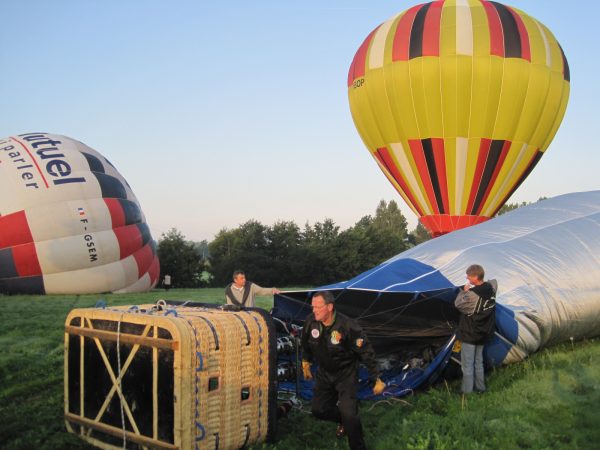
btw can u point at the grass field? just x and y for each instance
(551, 401)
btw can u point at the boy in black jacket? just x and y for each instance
(477, 306)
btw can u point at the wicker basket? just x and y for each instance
(171, 377)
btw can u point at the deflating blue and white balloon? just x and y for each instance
(69, 222)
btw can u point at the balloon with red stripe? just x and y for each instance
(457, 101)
(69, 222)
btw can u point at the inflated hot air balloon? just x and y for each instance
(69, 222)
(458, 100)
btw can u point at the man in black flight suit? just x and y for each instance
(338, 345)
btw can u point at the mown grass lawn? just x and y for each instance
(550, 401)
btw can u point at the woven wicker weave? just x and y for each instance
(190, 377)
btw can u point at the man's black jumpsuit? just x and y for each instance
(338, 350)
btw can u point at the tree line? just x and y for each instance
(284, 254)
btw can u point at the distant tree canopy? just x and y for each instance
(180, 259)
(285, 254)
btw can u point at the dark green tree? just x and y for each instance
(179, 258)
(418, 235)
(244, 248)
(284, 251)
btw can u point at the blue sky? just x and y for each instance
(218, 112)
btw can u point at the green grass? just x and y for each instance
(550, 401)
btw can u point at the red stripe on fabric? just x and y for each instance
(32, 159)
(26, 260)
(431, 33)
(359, 63)
(440, 167)
(130, 239)
(484, 150)
(14, 230)
(495, 27)
(444, 223)
(499, 164)
(416, 148)
(117, 214)
(384, 157)
(143, 257)
(401, 44)
(154, 271)
(525, 48)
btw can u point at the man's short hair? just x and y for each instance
(325, 295)
(238, 272)
(476, 270)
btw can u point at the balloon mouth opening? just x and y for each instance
(440, 224)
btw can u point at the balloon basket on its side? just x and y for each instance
(171, 377)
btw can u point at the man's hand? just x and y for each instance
(379, 387)
(306, 370)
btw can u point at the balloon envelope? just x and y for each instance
(457, 101)
(69, 222)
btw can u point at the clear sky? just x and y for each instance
(218, 112)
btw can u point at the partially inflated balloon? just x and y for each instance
(69, 222)
(458, 100)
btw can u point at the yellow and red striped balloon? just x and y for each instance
(457, 100)
(69, 222)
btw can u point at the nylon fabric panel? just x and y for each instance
(510, 31)
(515, 81)
(481, 31)
(392, 171)
(485, 97)
(416, 32)
(8, 268)
(424, 179)
(59, 220)
(401, 46)
(507, 177)
(26, 260)
(496, 156)
(419, 97)
(562, 108)
(406, 164)
(380, 50)
(432, 29)
(431, 87)
(78, 252)
(399, 89)
(533, 104)
(143, 258)
(379, 104)
(33, 285)
(15, 230)
(106, 278)
(94, 162)
(552, 110)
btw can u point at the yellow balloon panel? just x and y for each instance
(457, 101)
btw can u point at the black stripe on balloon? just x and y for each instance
(8, 269)
(510, 30)
(132, 211)
(111, 187)
(416, 33)
(566, 71)
(94, 163)
(430, 158)
(145, 232)
(530, 167)
(488, 171)
(24, 285)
